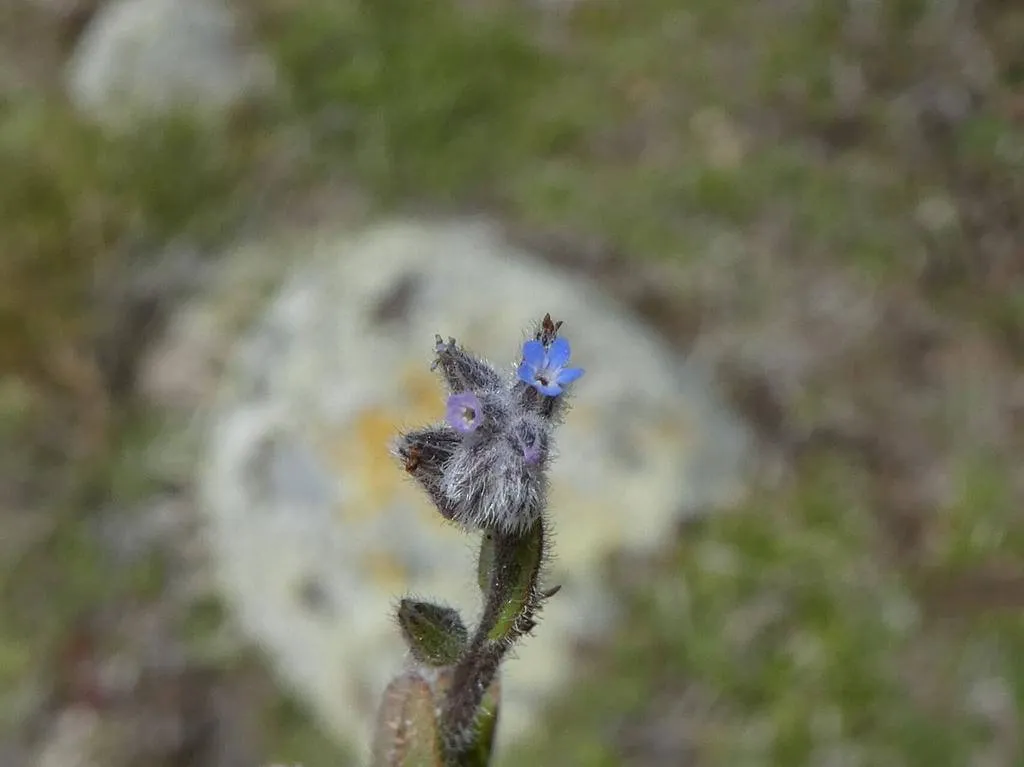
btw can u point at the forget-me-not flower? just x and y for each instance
(463, 412)
(545, 368)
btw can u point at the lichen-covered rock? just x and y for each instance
(144, 58)
(315, 531)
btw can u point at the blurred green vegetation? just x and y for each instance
(413, 98)
(656, 127)
(78, 211)
(799, 641)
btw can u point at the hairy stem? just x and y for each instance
(510, 566)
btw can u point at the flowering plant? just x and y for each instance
(484, 468)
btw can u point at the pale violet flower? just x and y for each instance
(463, 412)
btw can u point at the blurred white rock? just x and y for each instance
(315, 532)
(140, 58)
(72, 740)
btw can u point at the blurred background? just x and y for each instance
(822, 201)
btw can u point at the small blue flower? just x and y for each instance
(545, 369)
(463, 412)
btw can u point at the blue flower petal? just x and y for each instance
(549, 390)
(533, 354)
(569, 375)
(526, 372)
(558, 353)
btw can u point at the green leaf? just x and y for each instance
(513, 596)
(435, 634)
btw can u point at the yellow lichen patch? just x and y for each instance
(384, 570)
(370, 474)
(360, 451)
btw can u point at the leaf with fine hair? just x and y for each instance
(435, 634)
(513, 595)
(407, 733)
